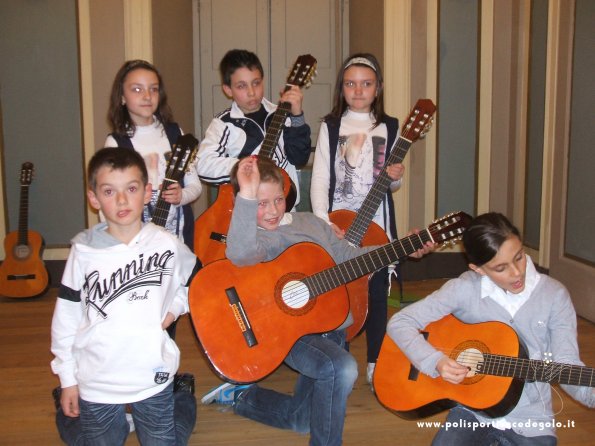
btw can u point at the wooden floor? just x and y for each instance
(28, 411)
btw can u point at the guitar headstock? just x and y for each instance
(449, 228)
(419, 121)
(189, 144)
(26, 173)
(183, 154)
(304, 69)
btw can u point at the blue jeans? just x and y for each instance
(327, 373)
(483, 436)
(167, 418)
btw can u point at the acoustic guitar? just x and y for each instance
(248, 318)
(498, 368)
(359, 227)
(23, 272)
(182, 155)
(211, 227)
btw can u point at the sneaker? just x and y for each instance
(184, 383)
(130, 422)
(226, 393)
(370, 373)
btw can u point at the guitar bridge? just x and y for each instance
(240, 316)
(21, 276)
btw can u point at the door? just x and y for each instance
(572, 256)
(277, 31)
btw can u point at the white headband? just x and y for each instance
(360, 60)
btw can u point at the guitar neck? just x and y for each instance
(24, 215)
(274, 130)
(182, 154)
(365, 264)
(536, 370)
(370, 205)
(162, 207)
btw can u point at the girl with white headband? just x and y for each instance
(354, 140)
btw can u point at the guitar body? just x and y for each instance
(275, 324)
(211, 227)
(23, 273)
(412, 394)
(358, 289)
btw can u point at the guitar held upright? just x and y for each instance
(359, 227)
(210, 229)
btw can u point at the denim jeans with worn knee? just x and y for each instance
(327, 373)
(167, 418)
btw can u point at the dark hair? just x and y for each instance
(117, 158)
(235, 59)
(339, 103)
(120, 121)
(269, 173)
(485, 235)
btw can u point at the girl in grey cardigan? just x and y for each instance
(502, 285)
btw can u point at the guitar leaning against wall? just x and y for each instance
(23, 273)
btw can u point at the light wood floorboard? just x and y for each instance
(28, 411)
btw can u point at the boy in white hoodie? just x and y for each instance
(125, 281)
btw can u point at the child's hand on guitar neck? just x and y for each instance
(248, 177)
(295, 97)
(395, 171)
(451, 371)
(427, 248)
(172, 194)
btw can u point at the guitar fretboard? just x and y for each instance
(377, 192)
(364, 264)
(162, 207)
(416, 126)
(448, 228)
(274, 130)
(24, 215)
(536, 370)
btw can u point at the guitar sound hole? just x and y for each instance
(292, 295)
(21, 252)
(470, 354)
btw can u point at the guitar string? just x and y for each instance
(370, 205)
(421, 239)
(322, 276)
(361, 222)
(525, 368)
(384, 258)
